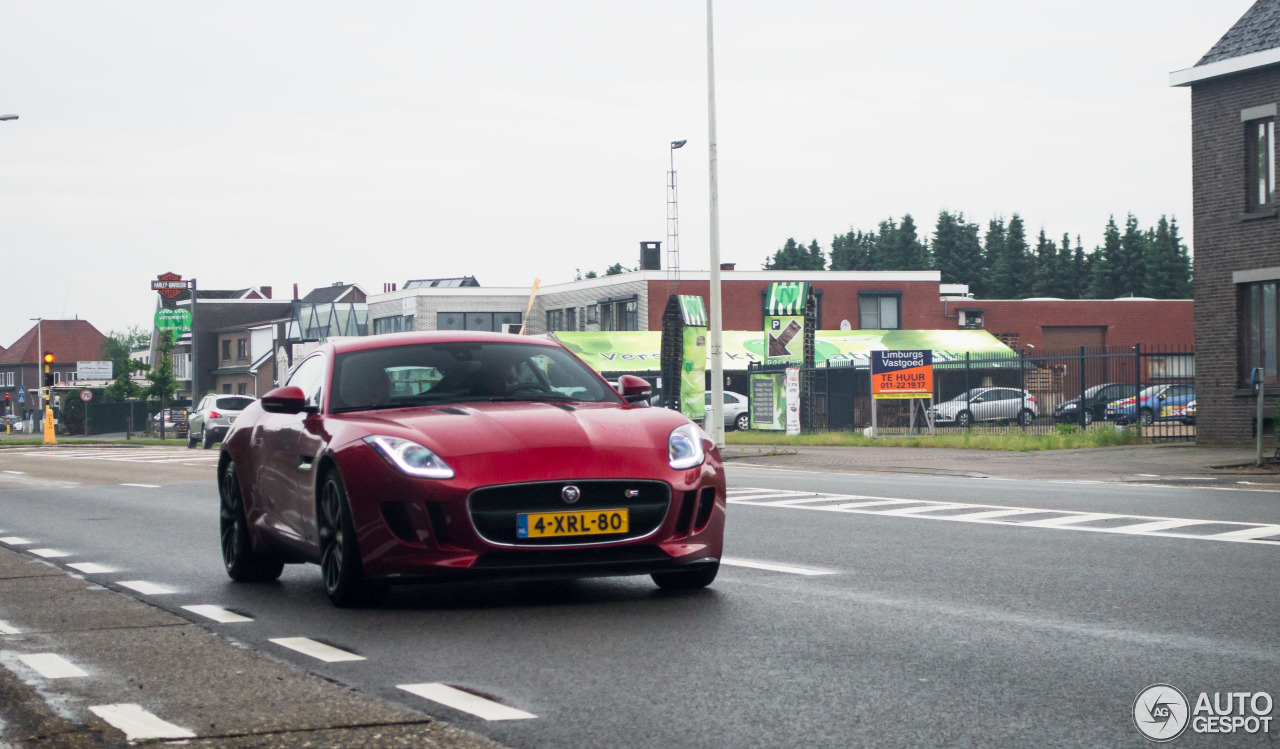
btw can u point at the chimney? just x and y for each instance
(650, 256)
(727, 266)
(266, 291)
(295, 291)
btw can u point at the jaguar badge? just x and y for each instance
(570, 494)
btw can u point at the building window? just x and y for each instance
(1260, 145)
(508, 321)
(226, 349)
(491, 321)
(1258, 330)
(593, 314)
(619, 313)
(181, 365)
(555, 320)
(397, 324)
(449, 321)
(627, 315)
(8, 379)
(57, 378)
(242, 348)
(226, 388)
(570, 319)
(241, 388)
(879, 311)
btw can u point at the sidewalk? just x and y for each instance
(1173, 463)
(132, 653)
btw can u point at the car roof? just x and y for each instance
(387, 340)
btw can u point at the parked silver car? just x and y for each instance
(736, 414)
(987, 404)
(212, 418)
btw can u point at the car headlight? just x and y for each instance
(410, 457)
(1068, 406)
(684, 447)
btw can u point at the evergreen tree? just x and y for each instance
(852, 251)
(969, 257)
(912, 255)
(992, 250)
(1182, 265)
(1106, 264)
(1044, 274)
(1009, 277)
(884, 253)
(814, 259)
(1062, 270)
(1079, 277)
(1132, 269)
(946, 249)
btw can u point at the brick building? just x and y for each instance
(21, 366)
(1235, 89)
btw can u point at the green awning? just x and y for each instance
(638, 351)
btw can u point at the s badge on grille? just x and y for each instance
(633, 493)
(570, 494)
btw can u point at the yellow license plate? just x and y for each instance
(576, 523)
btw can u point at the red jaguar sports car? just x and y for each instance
(413, 457)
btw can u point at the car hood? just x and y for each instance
(586, 439)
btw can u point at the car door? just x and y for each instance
(309, 440)
(276, 443)
(1006, 404)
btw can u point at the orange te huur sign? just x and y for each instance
(902, 374)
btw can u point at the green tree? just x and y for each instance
(1131, 271)
(163, 384)
(615, 270)
(1106, 264)
(852, 250)
(1044, 273)
(1079, 276)
(946, 248)
(1183, 289)
(884, 254)
(910, 252)
(117, 348)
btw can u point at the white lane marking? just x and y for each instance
(217, 613)
(7, 629)
(771, 567)
(1148, 475)
(143, 486)
(317, 650)
(144, 587)
(1159, 525)
(14, 541)
(1248, 533)
(90, 568)
(1069, 519)
(1146, 525)
(465, 701)
(779, 494)
(17, 473)
(801, 500)
(991, 514)
(138, 724)
(50, 553)
(926, 508)
(52, 666)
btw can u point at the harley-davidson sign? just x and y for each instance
(170, 285)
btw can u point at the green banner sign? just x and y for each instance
(178, 320)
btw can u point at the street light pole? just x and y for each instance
(715, 414)
(39, 359)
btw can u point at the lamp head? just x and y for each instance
(678, 144)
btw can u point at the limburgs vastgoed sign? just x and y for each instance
(901, 374)
(693, 402)
(784, 322)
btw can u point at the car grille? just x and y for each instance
(494, 509)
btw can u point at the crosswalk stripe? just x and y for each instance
(466, 702)
(926, 508)
(1249, 533)
(1070, 519)
(991, 514)
(1159, 525)
(138, 724)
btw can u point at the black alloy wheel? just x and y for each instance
(1025, 417)
(243, 564)
(1146, 417)
(339, 551)
(743, 422)
(964, 419)
(699, 577)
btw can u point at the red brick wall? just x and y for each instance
(919, 308)
(1157, 323)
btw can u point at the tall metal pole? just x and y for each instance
(194, 369)
(715, 414)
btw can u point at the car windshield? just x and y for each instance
(234, 404)
(1154, 390)
(459, 372)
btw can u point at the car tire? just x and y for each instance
(743, 422)
(1088, 417)
(340, 551)
(1025, 417)
(243, 564)
(964, 419)
(699, 577)
(206, 439)
(1146, 417)
(191, 441)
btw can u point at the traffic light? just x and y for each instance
(48, 357)
(48, 374)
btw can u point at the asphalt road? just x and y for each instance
(879, 610)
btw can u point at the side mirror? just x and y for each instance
(286, 400)
(633, 389)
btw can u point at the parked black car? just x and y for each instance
(1096, 399)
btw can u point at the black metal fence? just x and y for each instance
(1034, 391)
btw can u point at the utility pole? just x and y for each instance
(715, 414)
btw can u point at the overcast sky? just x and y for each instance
(251, 143)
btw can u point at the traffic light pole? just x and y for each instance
(49, 437)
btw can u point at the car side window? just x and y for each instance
(731, 399)
(309, 377)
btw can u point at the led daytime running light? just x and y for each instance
(410, 458)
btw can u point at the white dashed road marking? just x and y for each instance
(52, 666)
(771, 567)
(14, 541)
(17, 473)
(138, 724)
(1067, 520)
(466, 702)
(90, 568)
(144, 587)
(217, 613)
(143, 486)
(50, 553)
(7, 629)
(317, 650)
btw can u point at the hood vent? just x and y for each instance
(452, 410)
